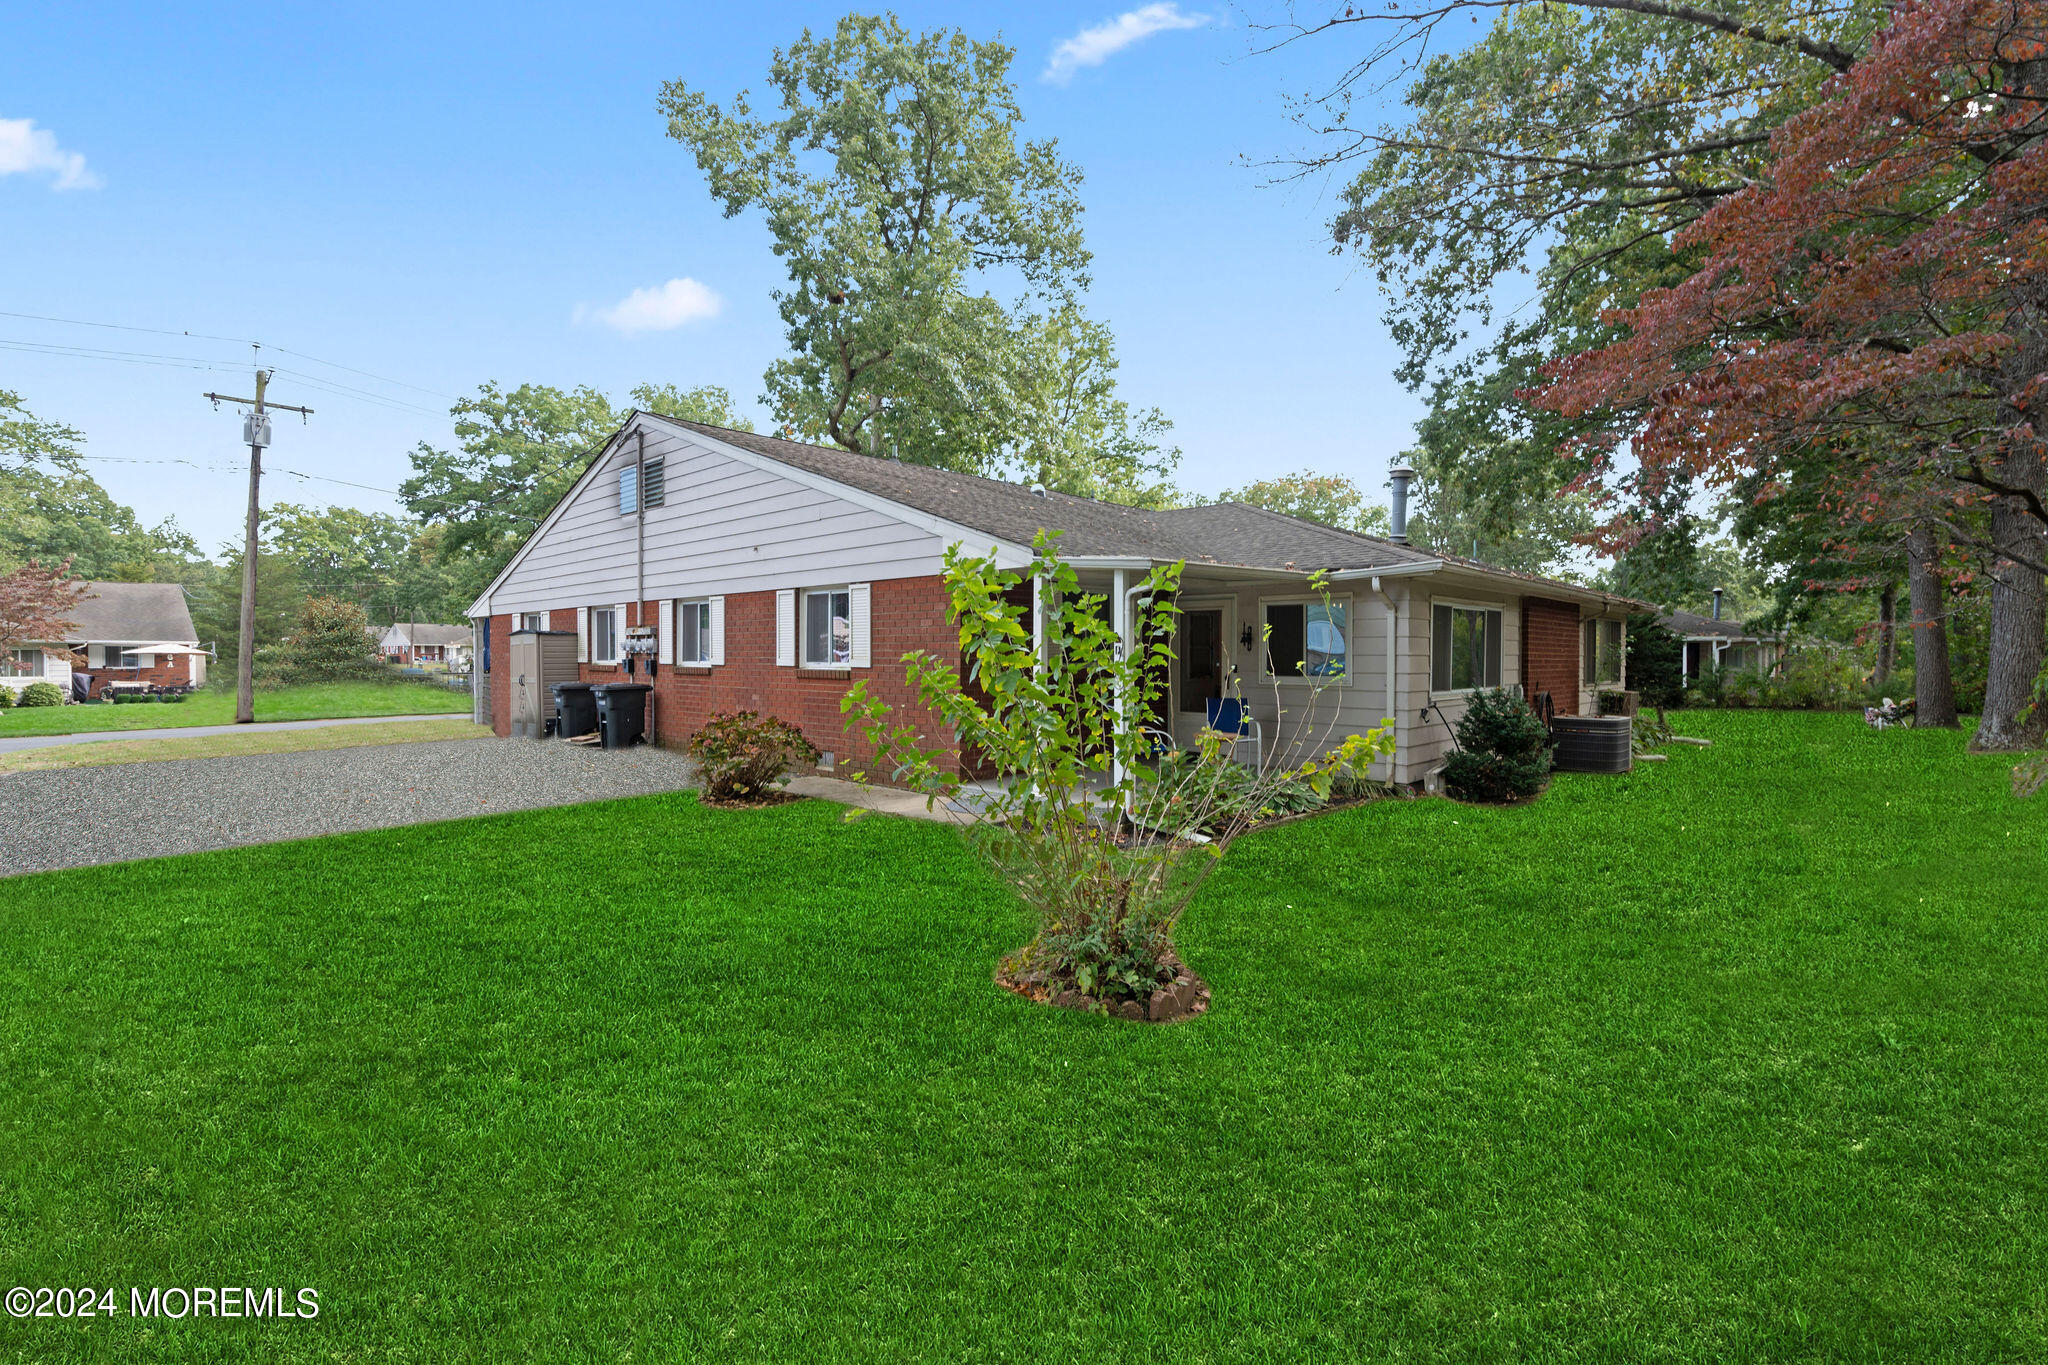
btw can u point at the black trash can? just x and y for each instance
(621, 713)
(575, 709)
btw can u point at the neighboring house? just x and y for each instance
(126, 633)
(1712, 643)
(423, 645)
(772, 574)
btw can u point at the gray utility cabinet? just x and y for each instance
(540, 659)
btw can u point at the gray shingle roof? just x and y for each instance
(1229, 533)
(133, 613)
(1692, 623)
(425, 633)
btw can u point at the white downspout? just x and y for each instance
(1393, 620)
(1120, 620)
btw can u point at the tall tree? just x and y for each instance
(36, 604)
(1331, 499)
(27, 440)
(935, 261)
(1880, 293)
(518, 451)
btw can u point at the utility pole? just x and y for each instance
(256, 431)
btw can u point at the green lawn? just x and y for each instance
(320, 701)
(1740, 1058)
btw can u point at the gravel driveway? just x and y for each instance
(71, 817)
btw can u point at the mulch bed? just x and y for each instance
(1185, 997)
(775, 798)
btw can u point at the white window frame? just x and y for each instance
(1467, 604)
(701, 608)
(1590, 631)
(530, 620)
(130, 658)
(25, 654)
(803, 615)
(1263, 651)
(616, 621)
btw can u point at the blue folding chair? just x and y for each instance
(1230, 717)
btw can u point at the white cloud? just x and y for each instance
(1094, 46)
(25, 148)
(662, 308)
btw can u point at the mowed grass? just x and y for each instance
(316, 701)
(1741, 1057)
(99, 753)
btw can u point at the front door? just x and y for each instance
(1201, 660)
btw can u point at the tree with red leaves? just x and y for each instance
(35, 603)
(1878, 297)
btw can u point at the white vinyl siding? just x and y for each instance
(730, 528)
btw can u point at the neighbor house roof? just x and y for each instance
(424, 633)
(1691, 623)
(132, 613)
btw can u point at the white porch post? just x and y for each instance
(1120, 619)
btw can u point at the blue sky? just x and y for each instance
(444, 195)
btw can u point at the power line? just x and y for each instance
(183, 362)
(239, 341)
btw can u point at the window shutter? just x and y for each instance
(96, 656)
(665, 631)
(1589, 662)
(857, 625)
(145, 660)
(583, 635)
(1493, 646)
(785, 627)
(717, 631)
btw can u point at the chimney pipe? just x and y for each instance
(1717, 604)
(1400, 476)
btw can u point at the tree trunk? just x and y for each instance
(2019, 613)
(1934, 690)
(1887, 633)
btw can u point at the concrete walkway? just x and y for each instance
(883, 800)
(20, 742)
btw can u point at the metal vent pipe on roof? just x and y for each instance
(1399, 477)
(1717, 604)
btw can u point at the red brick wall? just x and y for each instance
(169, 671)
(1550, 651)
(905, 614)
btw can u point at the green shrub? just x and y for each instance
(743, 755)
(1503, 750)
(1744, 687)
(1656, 661)
(42, 694)
(1240, 796)
(330, 642)
(1819, 677)
(6, 697)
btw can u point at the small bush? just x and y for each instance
(1819, 677)
(744, 755)
(6, 697)
(1239, 796)
(42, 694)
(1744, 688)
(1503, 750)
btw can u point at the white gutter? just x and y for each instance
(1408, 570)
(1393, 616)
